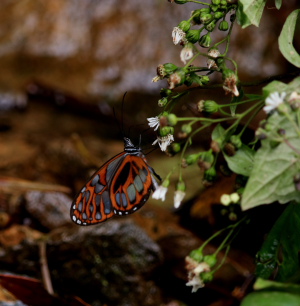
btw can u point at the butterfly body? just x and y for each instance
(120, 187)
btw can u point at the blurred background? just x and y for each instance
(64, 64)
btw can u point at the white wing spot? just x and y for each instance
(115, 211)
(135, 208)
(126, 212)
(78, 221)
(74, 206)
(120, 213)
(84, 223)
(74, 218)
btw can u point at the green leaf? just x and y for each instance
(218, 132)
(275, 165)
(286, 39)
(242, 161)
(250, 12)
(280, 250)
(278, 4)
(271, 298)
(261, 283)
(273, 87)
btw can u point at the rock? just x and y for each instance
(112, 263)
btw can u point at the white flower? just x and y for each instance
(153, 122)
(178, 197)
(194, 270)
(186, 53)
(178, 36)
(160, 193)
(273, 101)
(164, 141)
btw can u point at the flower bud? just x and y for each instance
(234, 197)
(236, 141)
(170, 68)
(177, 78)
(187, 52)
(175, 147)
(162, 102)
(214, 8)
(184, 25)
(208, 106)
(225, 199)
(223, 26)
(172, 119)
(186, 128)
(192, 159)
(205, 41)
(230, 82)
(216, 145)
(207, 276)
(210, 26)
(210, 174)
(205, 79)
(165, 92)
(180, 185)
(197, 255)
(213, 52)
(216, 2)
(206, 18)
(211, 260)
(193, 36)
(229, 149)
(166, 130)
(218, 15)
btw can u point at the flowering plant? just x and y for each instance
(269, 163)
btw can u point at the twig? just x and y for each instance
(44, 268)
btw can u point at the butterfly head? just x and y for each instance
(130, 147)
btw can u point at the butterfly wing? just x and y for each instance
(121, 186)
(131, 185)
(93, 205)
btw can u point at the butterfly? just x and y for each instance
(120, 187)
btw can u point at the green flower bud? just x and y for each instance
(193, 36)
(216, 2)
(205, 79)
(186, 128)
(164, 131)
(236, 141)
(175, 147)
(180, 1)
(210, 26)
(211, 260)
(197, 255)
(210, 174)
(192, 159)
(184, 25)
(218, 15)
(208, 156)
(196, 16)
(207, 276)
(205, 41)
(205, 10)
(180, 186)
(214, 8)
(165, 92)
(223, 26)
(172, 119)
(223, 2)
(208, 106)
(206, 18)
(170, 68)
(162, 102)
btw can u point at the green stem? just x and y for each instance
(287, 115)
(194, 1)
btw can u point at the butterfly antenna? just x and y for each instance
(117, 121)
(122, 114)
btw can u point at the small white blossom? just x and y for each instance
(225, 199)
(210, 62)
(294, 97)
(273, 101)
(153, 122)
(156, 79)
(194, 273)
(160, 193)
(164, 141)
(178, 36)
(178, 197)
(186, 53)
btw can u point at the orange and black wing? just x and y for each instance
(131, 185)
(93, 205)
